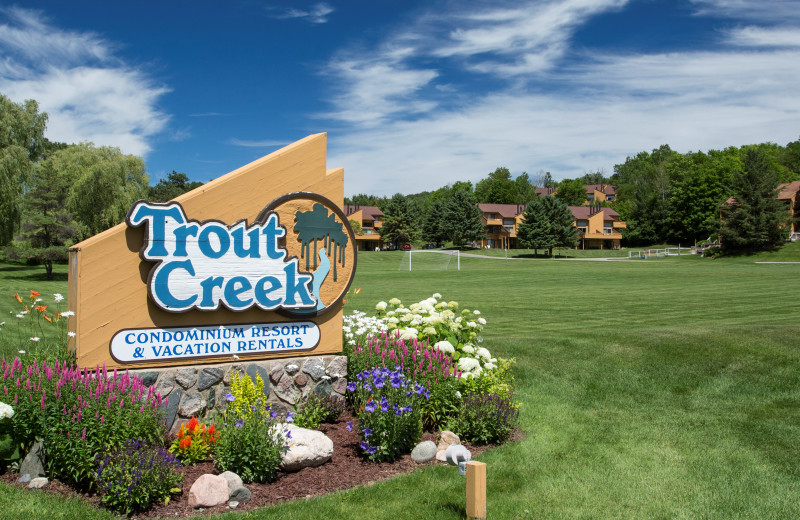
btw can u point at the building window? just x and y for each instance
(510, 229)
(590, 197)
(610, 198)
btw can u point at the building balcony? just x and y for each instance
(494, 222)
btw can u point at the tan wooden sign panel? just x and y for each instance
(114, 285)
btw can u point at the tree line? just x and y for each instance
(53, 194)
(664, 197)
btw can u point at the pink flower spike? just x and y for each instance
(102, 419)
(83, 435)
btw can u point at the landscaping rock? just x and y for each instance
(186, 377)
(301, 380)
(234, 481)
(292, 368)
(240, 494)
(340, 385)
(192, 405)
(208, 378)
(239, 369)
(233, 504)
(25, 478)
(33, 463)
(440, 456)
(165, 383)
(38, 483)
(337, 367)
(275, 372)
(314, 368)
(286, 390)
(172, 406)
(253, 369)
(423, 452)
(306, 448)
(208, 491)
(148, 378)
(323, 389)
(212, 399)
(447, 438)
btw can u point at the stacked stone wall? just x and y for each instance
(199, 390)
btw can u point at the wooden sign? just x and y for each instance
(253, 264)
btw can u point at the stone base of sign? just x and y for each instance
(199, 390)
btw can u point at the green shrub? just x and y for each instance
(315, 409)
(389, 412)
(250, 444)
(79, 414)
(132, 478)
(498, 381)
(485, 419)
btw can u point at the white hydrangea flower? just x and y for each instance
(429, 331)
(482, 321)
(476, 312)
(393, 321)
(6, 411)
(437, 296)
(489, 366)
(394, 301)
(409, 333)
(468, 364)
(472, 324)
(381, 306)
(416, 322)
(445, 346)
(469, 349)
(484, 353)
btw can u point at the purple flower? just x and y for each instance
(239, 423)
(273, 414)
(384, 404)
(349, 426)
(230, 397)
(370, 406)
(289, 417)
(351, 387)
(288, 434)
(367, 432)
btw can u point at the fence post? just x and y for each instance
(476, 490)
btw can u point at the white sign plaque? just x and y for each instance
(155, 344)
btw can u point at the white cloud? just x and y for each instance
(774, 10)
(318, 13)
(88, 94)
(765, 37)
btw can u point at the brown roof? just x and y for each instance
(369, 212)
(788, 190)
(504, 210)
(608, 189)
(545, 191)
(584, 212)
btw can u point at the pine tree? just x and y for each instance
(400, 223)
(47, 226)
(463, 220)
(548, 223)
(755, 219)
(434, 229)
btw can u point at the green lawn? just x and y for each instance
(662, 388)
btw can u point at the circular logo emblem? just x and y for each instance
(319, 235)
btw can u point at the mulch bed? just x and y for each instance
(345, 470)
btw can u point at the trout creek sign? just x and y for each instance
(211, 283)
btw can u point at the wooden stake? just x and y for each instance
(476, 490)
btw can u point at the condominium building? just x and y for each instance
(370, 218)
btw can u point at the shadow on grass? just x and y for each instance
(38, 276)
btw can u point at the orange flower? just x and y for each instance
(34, 294)
(41, 308)
(48, 318)
(358, 290)
(17, 297)
(180, 433)
(185, 443)
(191, 424)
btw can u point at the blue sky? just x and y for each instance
(413, 95)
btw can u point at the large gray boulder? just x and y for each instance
(33, 463)
(305, 448)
